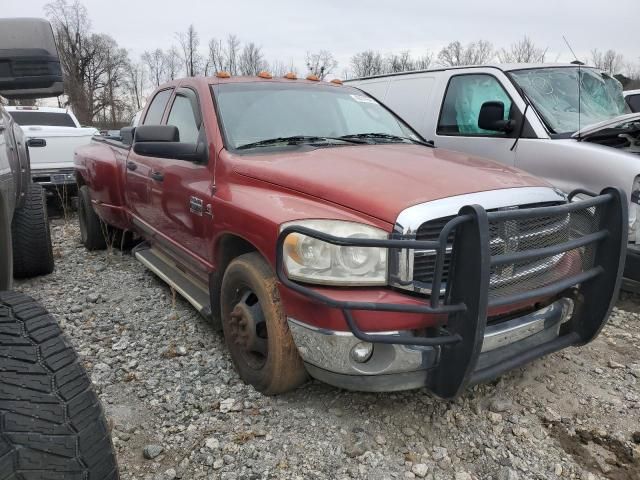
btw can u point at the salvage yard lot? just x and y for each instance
(170, 392)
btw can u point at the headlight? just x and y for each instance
(313, 261)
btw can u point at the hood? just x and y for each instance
(382, 180)
(585, 132)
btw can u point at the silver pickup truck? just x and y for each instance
(566, 123)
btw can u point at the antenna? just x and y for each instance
(572, 52)
(579, 63)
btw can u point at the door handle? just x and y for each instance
(36, 142)
(132, 165)
(157, 176)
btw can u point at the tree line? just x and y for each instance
(105, 85)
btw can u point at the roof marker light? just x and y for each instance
(291, 76)
(223, 74)
(265, 74)
(337, 81)
(313, 78)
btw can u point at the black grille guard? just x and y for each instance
(467, 300)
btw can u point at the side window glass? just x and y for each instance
(183, 117)
(634, 102)
(463, 100)
(156, 109)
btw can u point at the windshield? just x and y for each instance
(257, 111)
(33, 117)
(555, 95)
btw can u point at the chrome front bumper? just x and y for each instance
(327, 353)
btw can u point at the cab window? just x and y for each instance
(183, 116)
(634, 102)
(463, 100)
(156, 109)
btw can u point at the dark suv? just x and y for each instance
(51, 421)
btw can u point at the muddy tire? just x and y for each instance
(53, 425)
(93, 231)
(255, 328)
(31, 237)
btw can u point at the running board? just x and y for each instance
(193, 290)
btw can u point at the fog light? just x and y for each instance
(361, 352)
(567, 310)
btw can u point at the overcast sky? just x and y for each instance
(286, 29)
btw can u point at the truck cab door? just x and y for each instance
(457, 125)
(181, 189)
(138, 171)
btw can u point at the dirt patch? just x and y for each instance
(598, 452)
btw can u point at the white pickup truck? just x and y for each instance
(52, 135)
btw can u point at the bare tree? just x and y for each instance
(173, 63)
(251, 60)
(475, 53)
(609, 61)
(231, 54)
(367, 63)
(71, 25)
(94, 65)
(156, 64)
(523, 51)
(278, 68)
(190, 41)
(424, 62)
(216, 61)
(321, 63)
(136, 82)
(401, 62)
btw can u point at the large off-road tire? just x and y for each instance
(52, 425)
(32, 250)
(255, 328)
(93, 231)
(6, 249)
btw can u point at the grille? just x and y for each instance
(511, 236)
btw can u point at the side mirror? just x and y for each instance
(29, 62)
(127, 134)
(163, 141)
(492, 118)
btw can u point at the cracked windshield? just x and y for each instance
(564, 106)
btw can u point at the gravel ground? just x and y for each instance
(179, 410)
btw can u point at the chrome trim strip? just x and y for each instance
(337, 333)
(511, 331)
(410, 219)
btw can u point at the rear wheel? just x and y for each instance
(93, 231)
(255, 328)
(31, 237)
(53, 425)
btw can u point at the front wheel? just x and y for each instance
(255, 328)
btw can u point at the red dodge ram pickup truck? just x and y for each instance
(328, 239)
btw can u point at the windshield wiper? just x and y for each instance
(386, 136)
(296, 140)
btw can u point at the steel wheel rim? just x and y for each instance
(248, 328)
